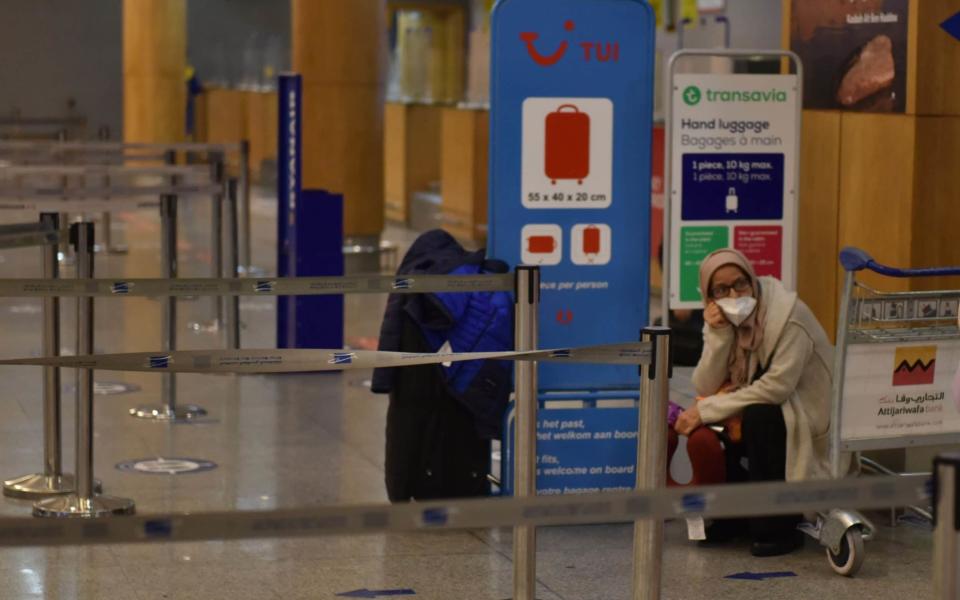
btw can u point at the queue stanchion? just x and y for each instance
(651, 462)
(527, 299)
(233, 260)
(52, 481)
(946, 534)
(216, 242)
(85, 502)
(169, 410)
(246, 255)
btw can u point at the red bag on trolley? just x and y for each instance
(567, 148)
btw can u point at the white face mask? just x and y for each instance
(737, 309)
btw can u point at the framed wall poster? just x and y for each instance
(854, 53)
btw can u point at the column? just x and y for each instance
(154, 66)
(340, 50)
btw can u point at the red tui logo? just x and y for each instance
(602, 51)
(529, 37)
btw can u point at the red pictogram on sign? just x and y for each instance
(591, 240)
(541, 244)
(567, 150)
(564, 317)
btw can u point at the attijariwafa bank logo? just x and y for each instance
(693, 95)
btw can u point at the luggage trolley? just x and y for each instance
(896, 384)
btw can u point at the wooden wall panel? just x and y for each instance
(339, 41)
(936, 206)
(412, 155)
(876, 188)
(154, 110)
(155, 38)
(394, 165)
(464, 156)
(226, 115)
(340, 48)
(819, 204)
(345, 155)
(937, 58)
(260, 127)
(154, 63)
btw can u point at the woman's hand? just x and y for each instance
(714, 316)
(688, 421)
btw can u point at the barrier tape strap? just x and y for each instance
(20, 240)
(309, 360)
(18, 235)
(291, 286)
(738, 500)
(93, 199)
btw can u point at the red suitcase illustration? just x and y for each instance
(567, 150)
(591, 240)
(541, 244)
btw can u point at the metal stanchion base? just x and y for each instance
(74, 506)
(212, 326)
(39, 485)
(183, 412)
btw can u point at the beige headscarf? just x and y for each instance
(750, 332)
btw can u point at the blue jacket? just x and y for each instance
(469, 321)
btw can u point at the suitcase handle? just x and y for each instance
(575, 109)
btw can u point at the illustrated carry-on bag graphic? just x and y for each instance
(541, 244)
(567, 148)
(591, 240)
(733, 201)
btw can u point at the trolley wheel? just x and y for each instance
(850, 558)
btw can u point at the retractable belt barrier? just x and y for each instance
(282, 286)
(738, 500)
(19, 235)
(311, 360)
(56, 199)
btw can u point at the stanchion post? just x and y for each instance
(246, 257)
(169, 410)
(84, 502)
(233, 260)
(946, 558)
(216, 223)
(52, 481)
(651, 462)
(527, 298)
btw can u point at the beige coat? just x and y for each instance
(798, 378)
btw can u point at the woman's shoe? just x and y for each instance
(778, 547)
(722, 531)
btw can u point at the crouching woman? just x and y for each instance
(765, 372)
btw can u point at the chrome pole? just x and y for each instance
(217, 167)
(839, 367)
(169, 410)
(527, 299)
(246, 257)
(216, 237)
(946, 559)
(52, 481)
(651, 462)
(84, 502)
(233, 259)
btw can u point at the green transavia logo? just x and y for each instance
(692, 95)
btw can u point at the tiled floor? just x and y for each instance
(295, 440)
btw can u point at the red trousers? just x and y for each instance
(706, 457)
